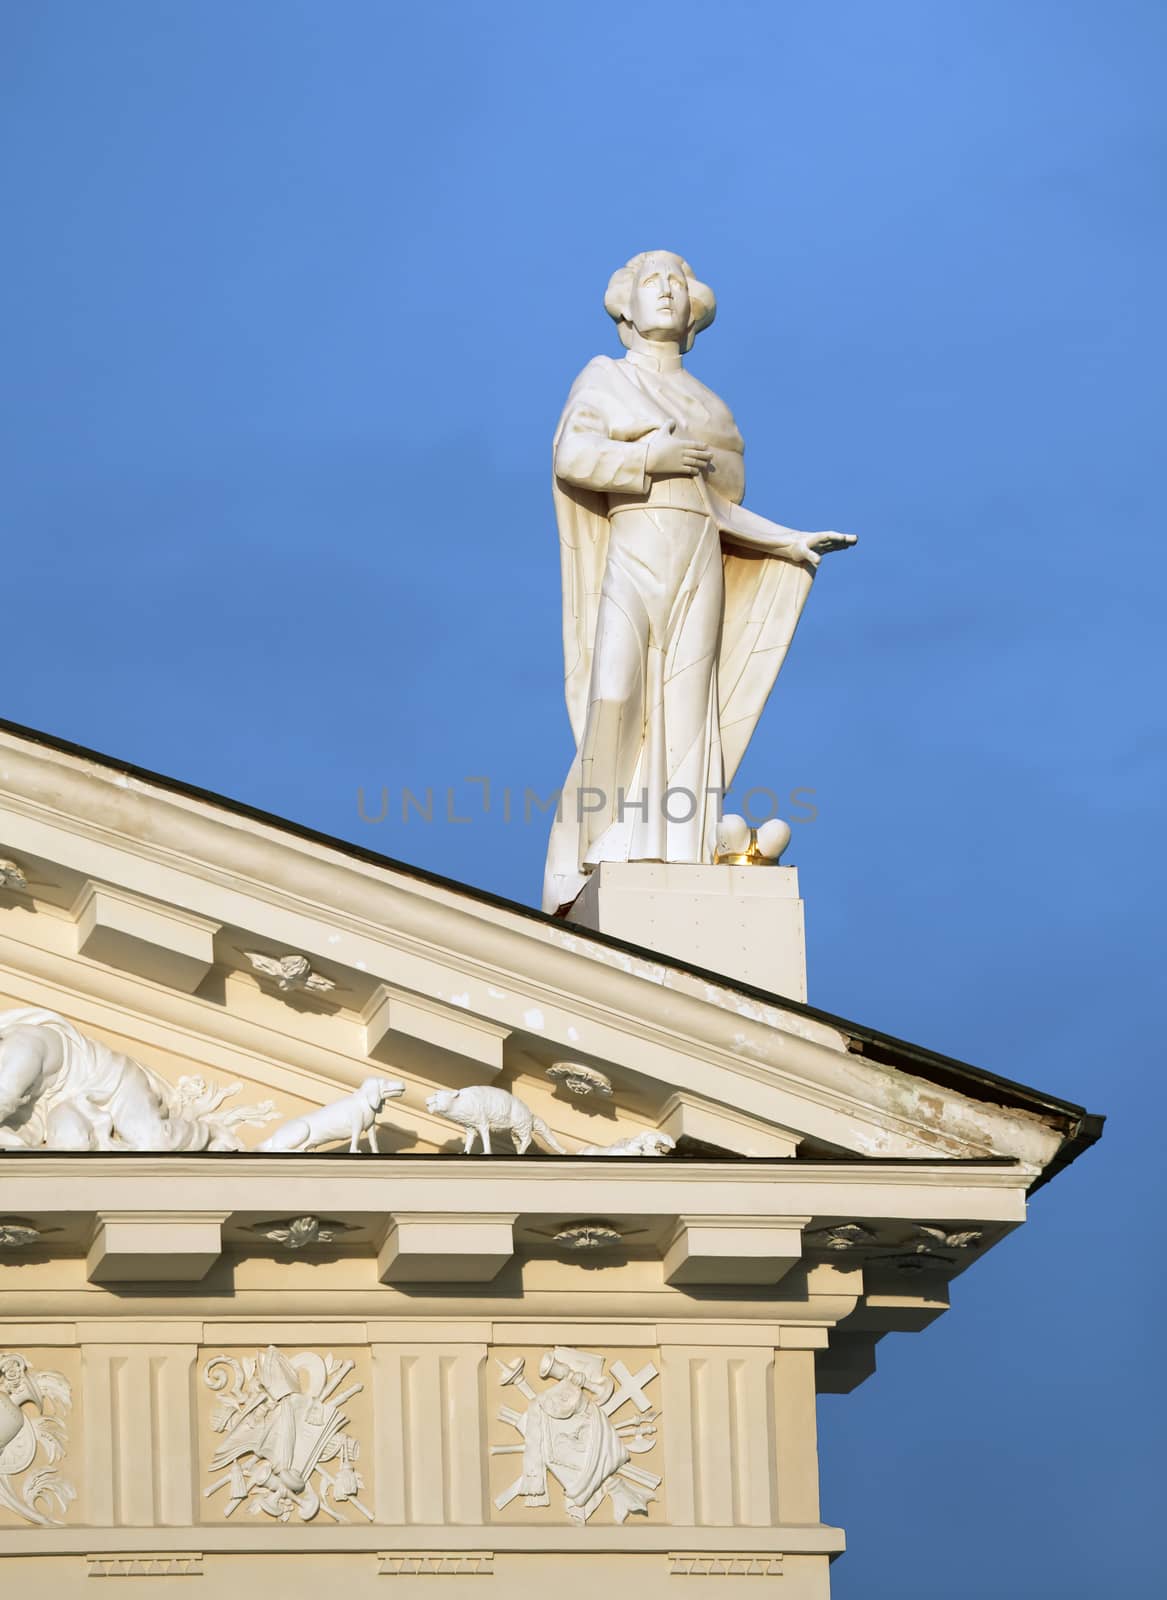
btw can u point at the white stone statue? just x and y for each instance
(650, 1142)
(347, 1119)
(483, 1110)
(678, 604)
(62, 1091)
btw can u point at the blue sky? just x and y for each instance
(294, 293)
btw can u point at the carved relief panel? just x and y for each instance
(286, 1434)
(39, 1446)
(575, 1434)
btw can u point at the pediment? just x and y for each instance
(208, 941)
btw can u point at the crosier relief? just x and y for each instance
(286, 1451)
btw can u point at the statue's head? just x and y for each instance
(375, 1091)
(657, 295)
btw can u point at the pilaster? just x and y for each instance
(140, 1450)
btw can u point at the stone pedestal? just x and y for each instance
(743, 922)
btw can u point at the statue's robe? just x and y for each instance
(673, 628)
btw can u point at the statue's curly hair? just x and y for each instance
(618, 298)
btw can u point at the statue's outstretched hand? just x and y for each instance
(817, 545)
(672, 455)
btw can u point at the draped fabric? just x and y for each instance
(569, 1436)
(672, 635)
(93, 1097)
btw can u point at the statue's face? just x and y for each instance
(660, 298)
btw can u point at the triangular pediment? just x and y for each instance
(208, 941)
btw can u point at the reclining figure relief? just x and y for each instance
(60, 1090)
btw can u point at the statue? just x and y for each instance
(347, 1119)
(483, 1109)
(678, 604)
(649, 1142)
(62, 1091)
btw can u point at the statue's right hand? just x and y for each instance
(672, 455)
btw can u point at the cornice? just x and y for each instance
(367, 1173)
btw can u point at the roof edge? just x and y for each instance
(1081, 1128)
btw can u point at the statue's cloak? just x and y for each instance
(764, 597)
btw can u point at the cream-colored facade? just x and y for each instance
(288, 1373)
